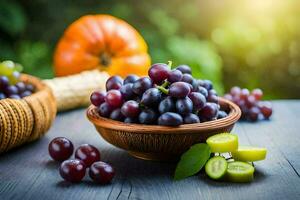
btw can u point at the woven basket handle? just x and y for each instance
(74, 91)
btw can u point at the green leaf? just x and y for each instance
(192, 161)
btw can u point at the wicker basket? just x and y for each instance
(27, 119)
(153, 142)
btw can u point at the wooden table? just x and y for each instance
(29, 173)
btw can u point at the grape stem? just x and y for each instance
(162, 89)
(170, 64)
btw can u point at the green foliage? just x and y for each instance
(12, 17)
(250, 43)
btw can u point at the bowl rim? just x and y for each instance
(234, 116)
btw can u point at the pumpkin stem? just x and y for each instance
(105, 59)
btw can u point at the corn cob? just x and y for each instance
(74, 91)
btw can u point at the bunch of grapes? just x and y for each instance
(167, 97)
(10, 84)
(250, 103)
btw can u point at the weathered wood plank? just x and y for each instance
(29, 173)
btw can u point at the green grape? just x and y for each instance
(18, 67)
(14, 77)
(6, 68)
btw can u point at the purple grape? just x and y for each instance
(129, 120)
(175, 76)
(209, 111)
(10, 90)
(198, 100)
(207, 84)
(202, 90)
(4, 82)
(151, 97)
(25, 94)
(170, 119)
(114, 82)
(116, 115)
(2, 96)
(105, 109)
(187, 78)
(166, 105)
(127, 91)
(30, 88)
(213, 98)
(185, 69)
(14, 96)
(222, 114)
(130, 79)
(184, 106)
(179, 89)
(21, 87)
(141, 85)
(191, 119)
(148, 116)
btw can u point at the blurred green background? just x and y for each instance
(250, 43)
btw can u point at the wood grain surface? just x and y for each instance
(29, 173)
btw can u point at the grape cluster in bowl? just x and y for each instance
(10, 84)
(167, 97)
(250, 103)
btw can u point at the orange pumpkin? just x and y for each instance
(103, 42)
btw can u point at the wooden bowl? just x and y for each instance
(153, 142)
(27, 119)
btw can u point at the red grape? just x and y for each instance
(101, 172)
(130, 109)
(159, 72)
(72, 170)
(114, 98)
(209, 111)
(97, 98)
(266, 109)
(88, 154)
(60, 149)
(257, 93)
(235, 91)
